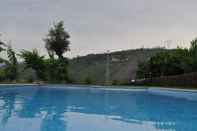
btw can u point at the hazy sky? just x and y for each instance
(99, 25)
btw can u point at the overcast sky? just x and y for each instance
(99, 25)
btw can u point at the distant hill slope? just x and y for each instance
(123, 65)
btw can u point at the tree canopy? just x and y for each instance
(57, 40)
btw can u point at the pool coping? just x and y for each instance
(25, 84)
(173, 89)
(125, 88)
(137, 87)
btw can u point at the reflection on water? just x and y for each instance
(49, 109)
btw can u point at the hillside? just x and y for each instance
(123, 65)
(92, 67)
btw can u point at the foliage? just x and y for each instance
(51, 70)
(88, 80)
(57, 40)
(179, 61)
(115, 82)
(2, 44)
(2, 75)
(143, 70)
(193, 54)
(33, 60)
(10, 69)
(2, 48)
(57, 70)
(12, 64)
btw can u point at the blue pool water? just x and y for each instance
(56, 108)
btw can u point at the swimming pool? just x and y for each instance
(59, 108)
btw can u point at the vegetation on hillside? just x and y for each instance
(179, 61)
(123, 66)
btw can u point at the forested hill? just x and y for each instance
(123, 66)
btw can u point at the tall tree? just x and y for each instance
(57, 40)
